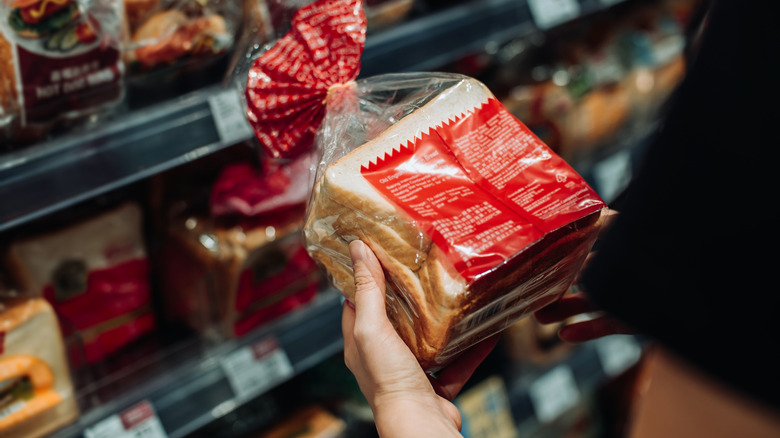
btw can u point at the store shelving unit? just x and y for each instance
(191, 391)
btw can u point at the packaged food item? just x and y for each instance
(95, 274)
(36, 392)
(168, 33)
(308, 422)
(243, 263)
(66, 63)
(475, 221)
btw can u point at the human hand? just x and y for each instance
(387, 372)
(581, 320)
(591, 324)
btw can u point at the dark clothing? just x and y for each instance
(691, 259)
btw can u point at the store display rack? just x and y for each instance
(189, 394)
(52, 175)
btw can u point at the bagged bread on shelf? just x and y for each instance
(242, 264)
(95, 273)
(36, 392)
(475, 221)
(66, 63)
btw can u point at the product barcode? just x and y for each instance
(484, 314)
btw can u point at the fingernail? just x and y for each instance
(357, 250)
(350, 304)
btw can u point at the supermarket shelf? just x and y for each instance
(190, 394)
(53, 175)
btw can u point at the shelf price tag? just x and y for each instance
(549, 13)
(255, 369)
(138, 421)
(229, 117)
(617, 353)
(554, 393)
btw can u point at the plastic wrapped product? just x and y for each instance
(242, 263)
(36, 393)
(175, 32)
(67, 64)
(95, 275)
(475, 221)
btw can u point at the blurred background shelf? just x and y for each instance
(187, 393)
(134, 144)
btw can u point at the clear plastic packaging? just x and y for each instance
(475, 221)
(239, 262)
(61, 61)
(36, 391)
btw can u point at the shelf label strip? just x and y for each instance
(254, 369)
(230, 117)
(138, 421)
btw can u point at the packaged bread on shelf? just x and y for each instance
(36, 392)
(95, 273)
(475, 221)
(242, 264)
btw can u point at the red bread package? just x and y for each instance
(475, 221)
(243, 263)
(95, 274)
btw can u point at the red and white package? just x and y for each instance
(475, 221)
(95, 274)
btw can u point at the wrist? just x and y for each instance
(413, 415)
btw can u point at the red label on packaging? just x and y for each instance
(136, 415)
(54, 86)
(288, 85)
(277, 284)
(112, 311)
(483, 187)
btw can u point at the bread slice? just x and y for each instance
(433, 308)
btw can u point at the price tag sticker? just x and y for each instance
(549, 13)
(230, 117)
(255, 369)
(617, 353)
(138, 421)
(554, 393)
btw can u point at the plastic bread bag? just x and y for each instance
(61, 61)
(475, 221)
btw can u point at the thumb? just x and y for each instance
(369, 283)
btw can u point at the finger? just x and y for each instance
(592, 329)
(369, 286)
(563, 309)
(450, 381)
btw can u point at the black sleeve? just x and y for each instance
(691, 260)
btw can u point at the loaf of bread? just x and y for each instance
(95, 273)
(436, 309)
(227, 279)
(36, 392)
